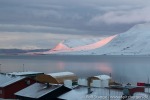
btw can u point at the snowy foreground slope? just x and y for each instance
(135, 41)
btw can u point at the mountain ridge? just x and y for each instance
(135, 41)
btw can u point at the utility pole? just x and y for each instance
(23, 67)
(0, 68)
(109, 87)
(148, 84)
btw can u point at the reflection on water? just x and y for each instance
(123, 68)
(60, 65)
(104, 67)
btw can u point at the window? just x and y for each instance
(28, 82)
(1, 91)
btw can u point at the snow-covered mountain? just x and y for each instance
(135, 41)
(69, 46)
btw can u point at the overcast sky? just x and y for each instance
(43, 23)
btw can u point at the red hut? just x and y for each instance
(10, 84)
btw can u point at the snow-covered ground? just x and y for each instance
(80, 93)
(135, 41)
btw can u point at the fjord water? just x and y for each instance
(123, 68)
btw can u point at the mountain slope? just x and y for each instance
(135, 41)
(74, 46)
(72, 43)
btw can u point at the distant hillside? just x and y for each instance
(18, 51)
(77, 45)
(135, 41)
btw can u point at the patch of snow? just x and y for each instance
(71, 43)
(80, 93)
(103, 77)
(24, 73)
(61, 74)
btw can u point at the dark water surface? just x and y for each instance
(123, 68)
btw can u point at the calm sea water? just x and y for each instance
(123, 68)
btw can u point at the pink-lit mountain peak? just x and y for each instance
(61, 47)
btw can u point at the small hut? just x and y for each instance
(10, 84)
(100, 81)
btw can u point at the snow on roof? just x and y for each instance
(6, 80)
(61, 74)
(25, 73)
(36, 90)
(103, 77)
(80, 93)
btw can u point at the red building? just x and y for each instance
(10, 84)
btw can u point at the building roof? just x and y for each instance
(37, 90)
(46, 79)
(6, 79)
(80, 93)
(27, 73)
(61, 74)
(102, 77)
(56, 78)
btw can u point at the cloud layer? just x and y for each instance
(65, 19)
(124, 17)
(33, 40)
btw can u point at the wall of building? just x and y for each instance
(1, 92)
